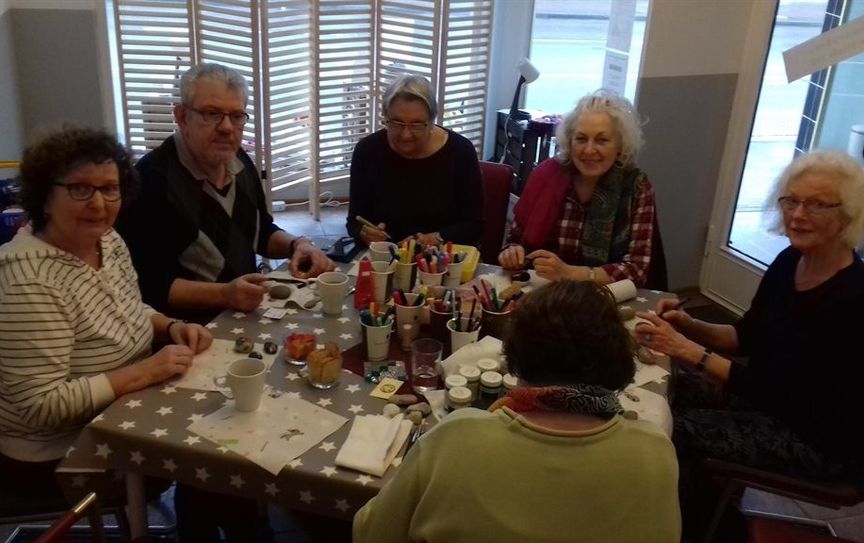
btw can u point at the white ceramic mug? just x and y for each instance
(332, 288)
(245, 378)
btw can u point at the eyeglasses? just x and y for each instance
(84, 191)
(399, 126)
(212, 117)
(813, 207)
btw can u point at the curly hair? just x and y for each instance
(57, 155)
(624, 117)
(848, 178)
(570, 332)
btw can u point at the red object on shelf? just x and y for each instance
(364, 289)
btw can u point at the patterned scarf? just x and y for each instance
(585, 399)
(606, 231)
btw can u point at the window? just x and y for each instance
(818, 112)
(316, 68)
(571, 44)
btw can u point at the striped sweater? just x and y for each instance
(63, 324)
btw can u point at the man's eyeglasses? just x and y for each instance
(237, 118)
(399, 126)
(85, 191)
(813, 207)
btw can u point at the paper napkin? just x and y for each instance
(373, 442)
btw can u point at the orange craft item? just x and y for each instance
(300, 345)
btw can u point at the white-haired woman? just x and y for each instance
(588, 213)
(794, 407)
(415, 178)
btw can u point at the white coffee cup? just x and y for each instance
(245, 378)
(332, 288)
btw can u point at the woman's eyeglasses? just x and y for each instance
(237, 118)
(399, 126)
(85, 191)
(813, 207)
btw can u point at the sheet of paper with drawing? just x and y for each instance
(210, 365)
(283, 428)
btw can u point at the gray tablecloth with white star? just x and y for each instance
(146, 431)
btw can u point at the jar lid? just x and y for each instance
(510, 380)
(488, 364)
(490, 379)
(455, 381)
(469, 372)
(459, 394)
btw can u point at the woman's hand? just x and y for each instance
(549, 266)
(428, 239)
(664, 338)
(369, 234)
(678, 318)
(308, 260)
(171, 360)
(512, 257)
(192, 335)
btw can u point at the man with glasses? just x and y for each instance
(202, 215)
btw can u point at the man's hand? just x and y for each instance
(369, 234)
(308, 260)
(246, 292)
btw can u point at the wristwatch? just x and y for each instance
(700, 366)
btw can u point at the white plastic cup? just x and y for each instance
(379, 251)
(460, 339)
(431, 279)
(377, 341)
(332, 288)
(245, 378)
(453, 277)
(408, 314)
(382, 280)
(404, 276)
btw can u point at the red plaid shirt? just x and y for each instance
(568, 242)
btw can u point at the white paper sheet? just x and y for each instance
(373, 442)
(488, 347)
(280, 430)
(650, 406)
(646, 373)
(211, 364)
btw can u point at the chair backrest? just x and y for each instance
(658, 275)
(496, 198)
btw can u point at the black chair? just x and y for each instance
(496, 199)
(658, 276)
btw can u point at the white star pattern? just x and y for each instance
(296, 463)
(318, 315)
(324, 402)
(397, 461)
(265, 321)
(355, 408)
(99, 417)
(342, 505)
(201, 473)
(79, 480)
(223, 449)
(294, 394)
(328, 470)
(292, 325)
(346, 335)
(136, 457)
(625, 307)
(327, 446)
(192, 440)
(132, 404)
(352, 388)
(343, 320)
(264, 335)
(168, 389)
(270, 488)
(238, 315)
(103, 450)
(165, 410)
(159, 432)
(656, 292)
(238, 330)
(237, 481)
(319, 346)
(169, 465)
(211, 325)
(318, 331)
(292, 376)
(364, 479)
(199, 396)
(641, 299)
(306, 496)
(291, 311)
(70, 450)
(194, 417)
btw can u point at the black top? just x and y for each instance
(805, 365)
(442, 192)
(175, 229)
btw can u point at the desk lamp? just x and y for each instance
(527, 74)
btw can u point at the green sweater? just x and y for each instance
(483, 476)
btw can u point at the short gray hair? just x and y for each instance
(624, 118)
(411, 87)
(848, 178)
(217, 73)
